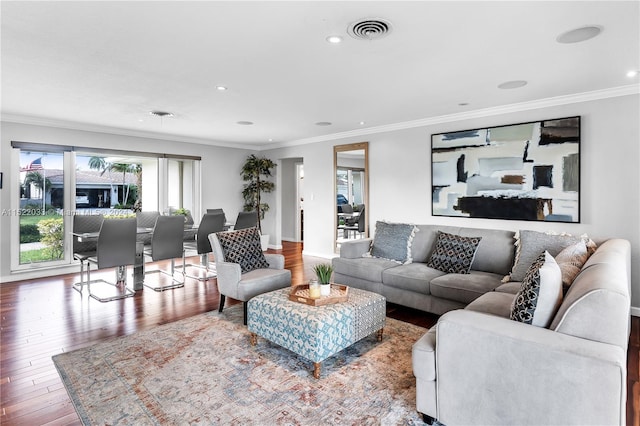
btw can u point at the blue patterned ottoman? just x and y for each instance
(315, 332)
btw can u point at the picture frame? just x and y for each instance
(526, 171)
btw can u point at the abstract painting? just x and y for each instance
(525, 171)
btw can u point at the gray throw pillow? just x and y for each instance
(393, 241)
(453, 254)
(243, 247)
(540, 294)
(529, 246)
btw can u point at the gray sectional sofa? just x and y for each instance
(477, 365)
(418, 286)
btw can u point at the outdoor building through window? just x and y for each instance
(56, 183)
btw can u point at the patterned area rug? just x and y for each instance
(202, 370)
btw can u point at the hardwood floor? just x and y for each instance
(44, 317)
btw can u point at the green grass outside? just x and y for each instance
(34, 256)
(33, 220)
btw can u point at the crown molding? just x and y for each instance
(72, 125)
(632, 89)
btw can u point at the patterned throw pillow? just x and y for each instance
(529, 245)
(392, 241)
(453, 254)
(570, 261)
(243, 247)
(540, 294)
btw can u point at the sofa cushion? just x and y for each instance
(425, 241)
(529, 245)
(512, 287)
(414, 277)
(494, 303)
(243, 247)
(495, 252)
(392, 241)
(365, 268)
(453, 253)
(541, 293)
(464, 287)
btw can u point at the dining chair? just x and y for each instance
(210, 223)
(166, 243)
(146, 219)
(83, 249)
(116, 247)
(210, 211)
(246, 220)
(357, 227)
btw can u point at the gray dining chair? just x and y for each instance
(116, 247)
(82, 248)
(357, 227)
(210, 211)
(166, 243)
(146, 219)
(246, 220)
(210, 223)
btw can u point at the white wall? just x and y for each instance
(400, 177)
(221, 182)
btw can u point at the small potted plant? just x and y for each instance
(323, 272)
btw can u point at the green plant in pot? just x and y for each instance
(256, 171)
(323, 272)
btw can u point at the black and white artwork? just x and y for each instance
(526, 171)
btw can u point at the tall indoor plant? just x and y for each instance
(256, 171)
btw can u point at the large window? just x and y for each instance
(58, 182)
(41, 207)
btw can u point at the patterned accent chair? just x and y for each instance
(244, 282)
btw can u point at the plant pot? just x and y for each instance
(264, 242)
(325, 289)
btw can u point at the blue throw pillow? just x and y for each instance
(392, 241)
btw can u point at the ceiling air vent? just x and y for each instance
(369, 29)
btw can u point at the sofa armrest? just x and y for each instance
(493, 370)
(276, 261)
(356, 248)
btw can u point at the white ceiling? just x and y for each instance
(98, 64)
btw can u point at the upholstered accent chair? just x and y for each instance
(232, 282)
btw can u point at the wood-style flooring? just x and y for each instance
(44, 317)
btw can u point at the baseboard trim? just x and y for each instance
(635, 311)
(321, 255)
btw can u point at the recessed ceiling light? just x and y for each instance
(245, 123)
(362, 123)
(632, 73)
(270, 139)
(334, 39)
(161, 114)
(323, 123)
(579, 34)
(512, 84)
(221, 88)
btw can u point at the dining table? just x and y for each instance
(138, 266)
